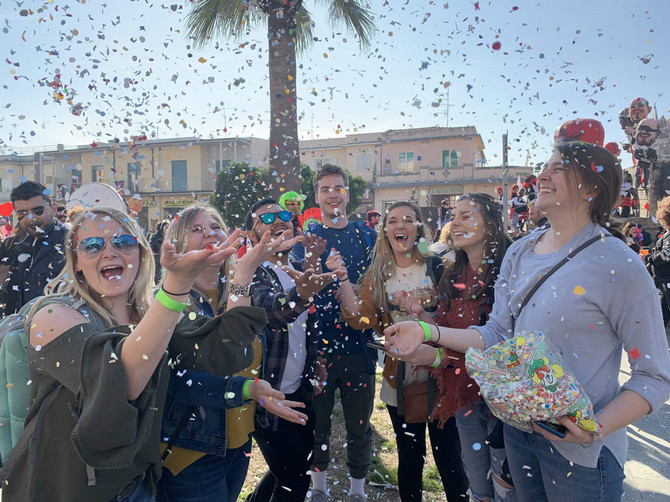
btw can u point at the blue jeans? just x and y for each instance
(209, 478)
(541, 474)
(139, 494)
(481, 461)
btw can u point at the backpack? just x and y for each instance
(14, 370)
(365, 235)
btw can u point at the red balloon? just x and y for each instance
(6, 209)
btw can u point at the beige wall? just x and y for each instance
(11, 170)
(375, 156)
(200, 157)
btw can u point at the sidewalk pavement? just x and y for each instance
(647, 469)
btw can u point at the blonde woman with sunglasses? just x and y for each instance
(93, 428)
(210, 455)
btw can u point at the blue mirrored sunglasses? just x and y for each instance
(90, 247)
(269, 218)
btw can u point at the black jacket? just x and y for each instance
(33, 262)
(659, 261)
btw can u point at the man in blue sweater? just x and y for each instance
(350, 362)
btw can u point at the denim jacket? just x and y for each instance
(211, 396)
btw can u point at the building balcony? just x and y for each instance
(467, 173)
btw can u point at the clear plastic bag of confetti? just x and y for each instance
(525, 379)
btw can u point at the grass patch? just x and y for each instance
(382, 473)
(432, 481)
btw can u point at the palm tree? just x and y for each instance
(289, 26)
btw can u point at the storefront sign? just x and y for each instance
(179, 202)
(450, 190)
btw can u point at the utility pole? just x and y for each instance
(504, 181)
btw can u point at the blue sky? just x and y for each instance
(132, 70)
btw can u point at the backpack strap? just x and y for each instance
(364, 236)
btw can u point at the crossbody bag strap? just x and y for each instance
(180, 428)
(400, 384)
(554, 269)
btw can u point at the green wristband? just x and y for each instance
(426, 331)
(438, 359)
(245, 390)
(170, 303)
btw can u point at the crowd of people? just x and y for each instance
(152, 363)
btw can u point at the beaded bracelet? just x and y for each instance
(426, 331)
(170, 303)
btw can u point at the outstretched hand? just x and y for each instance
(308, 283)
(266, 248)
(403, 338)
(314, 247)
(183, 268)
(424, 355)
(275, 402)
(407, 302)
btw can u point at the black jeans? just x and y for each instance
(288, 453)
(349, 373)
(446, 445)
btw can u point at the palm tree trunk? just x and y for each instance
(284, 149)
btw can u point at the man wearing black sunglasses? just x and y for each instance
(35, 255)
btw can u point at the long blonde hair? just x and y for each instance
(383, 263)
(70, 283)
(178, 233)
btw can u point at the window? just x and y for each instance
(318, 163)
(76, 179)
(406, 162)
(134, 171)
(450, 158)
(220, 164)
(96, 173)
(364, 162)
(179, 176)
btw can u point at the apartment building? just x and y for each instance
(168, 174)
(426, 165)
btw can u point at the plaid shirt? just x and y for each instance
(282, 308)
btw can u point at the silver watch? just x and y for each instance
(239, 290)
